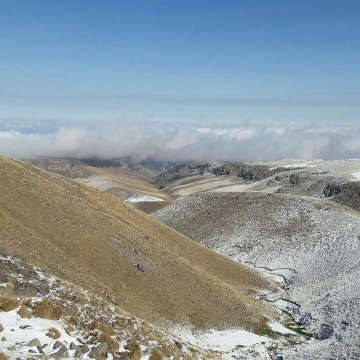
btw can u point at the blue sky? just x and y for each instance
(180, 61)
(176, 80)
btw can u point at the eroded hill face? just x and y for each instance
(100, 243)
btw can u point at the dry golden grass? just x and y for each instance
(8, 304)
(90, 326)
(45, 309)
(53, 333)
(112, 343)
(156, 354)
(134, 350)
(107, 330)
(72, 320)
(123, 182)
(24, 311)
(165, 350)
(3, 356)
(87, 236)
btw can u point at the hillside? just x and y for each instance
(44, 317)
(310, 243)
(116, 177)
(96, 241)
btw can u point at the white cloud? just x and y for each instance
(245, 143)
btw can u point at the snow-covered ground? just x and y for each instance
(99, 181)
(25, 335)
(234, 343)
(142, 197)
(311, 244)
(356, 175)
(22, 331)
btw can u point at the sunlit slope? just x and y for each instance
(95, 240)
(120, 180)
(118, 183)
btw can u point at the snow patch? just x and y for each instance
(281, 329)
(142, 197)
(20, 331)
(356, 175)
(230, 343)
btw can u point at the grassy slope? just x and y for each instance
(87, 236)
(123, 181)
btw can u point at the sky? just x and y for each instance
(180, 71)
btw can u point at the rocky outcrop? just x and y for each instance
(247, 172)
(346, 194)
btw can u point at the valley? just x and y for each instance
(285, 282)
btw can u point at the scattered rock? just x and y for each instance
(1, 328)
(40, 349)
(331, 189)
(73, 346)
(34, 342)
(99, 350)
(57, 344)
(324, 332)
(3, 339)
(140, 267)
(77, 354)
(23, 327)
(59, 352)
(178, 344)
(84, 348)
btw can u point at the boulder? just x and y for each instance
(324, 332)
(77, 354)
(84, 348)
(40, 349)
(59, 352)
(57, 344)
(34, 342)
(73, 346)
(101, 349)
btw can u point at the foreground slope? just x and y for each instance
(95, 240)
(312, 243)
(44, 317)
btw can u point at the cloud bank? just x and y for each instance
(171, 143)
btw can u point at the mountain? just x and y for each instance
(94, 240)
(44, 317)
(310, 243)
(118, 177)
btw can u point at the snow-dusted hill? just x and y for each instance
(313, 243)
